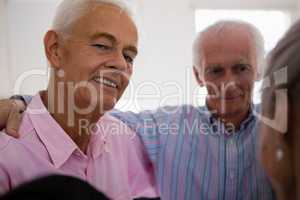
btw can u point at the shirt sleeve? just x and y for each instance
(151, 127)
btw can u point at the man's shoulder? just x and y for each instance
(161, 114)
(5, 140)
(164, 110)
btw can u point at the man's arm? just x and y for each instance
(150, 126)
(11, 115)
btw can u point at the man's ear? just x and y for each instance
(197, 76)
(51, 44)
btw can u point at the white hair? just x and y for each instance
(219, 28)
(69, 11)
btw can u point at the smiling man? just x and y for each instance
(226, 62)
(90, 69)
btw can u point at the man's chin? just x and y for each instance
(106, 104)
(233, 110)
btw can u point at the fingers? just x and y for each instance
(15, 118)
(5, 106)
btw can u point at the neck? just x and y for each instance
(77, 126)
(232, 121)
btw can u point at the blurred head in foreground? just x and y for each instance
(280, 136)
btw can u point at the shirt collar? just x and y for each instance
(58, 144)
(220, 126)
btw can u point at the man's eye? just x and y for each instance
(102, 47)
(215, 71)
(242, 67)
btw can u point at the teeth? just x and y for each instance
(105, 82)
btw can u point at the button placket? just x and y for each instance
(231, 168)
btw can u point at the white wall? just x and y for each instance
(167, 31)
(28, 22)
(4, 69)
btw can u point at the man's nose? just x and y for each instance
(229, 81)
(231, 77)
(117, 62)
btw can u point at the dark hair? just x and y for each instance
(283, 71)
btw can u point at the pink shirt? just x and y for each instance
(114, 164)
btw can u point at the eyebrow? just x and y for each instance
(113, 39)
(214, 65)
(104, 35)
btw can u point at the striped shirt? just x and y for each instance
(195, 157)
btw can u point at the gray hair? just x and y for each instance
(69, 11)
(219, 28)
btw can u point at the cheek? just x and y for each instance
(213, 87)
(125, 82)
(81, 64)
(77, 74)
(247, 81)
(247, 86)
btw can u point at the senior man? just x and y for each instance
(209, 152)
(90, 69)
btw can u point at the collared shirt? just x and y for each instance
(114, 162)
(195, 157)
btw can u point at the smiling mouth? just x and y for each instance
(106, 82)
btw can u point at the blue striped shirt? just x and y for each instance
(195, 157)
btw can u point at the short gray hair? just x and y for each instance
(219, 27)
(69, 11)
